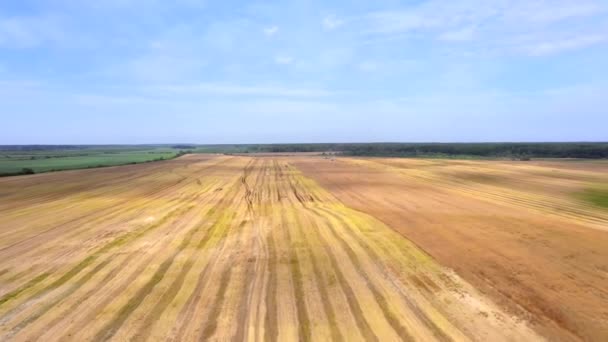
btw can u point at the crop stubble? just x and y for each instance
(219, 248)
(517, 231)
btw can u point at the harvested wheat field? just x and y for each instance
(285, 248)
(520, 232)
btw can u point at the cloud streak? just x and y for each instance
(332, 23)
(223, 89)
(552, 47)
(401, 68)
(492, 25)
(271, 31)
(284, 60)
(30, 32)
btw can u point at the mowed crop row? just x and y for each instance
(518, 231)
(219, 248)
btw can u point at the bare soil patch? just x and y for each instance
(512, 229)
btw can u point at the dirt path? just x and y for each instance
(516, 231)
(220, 248)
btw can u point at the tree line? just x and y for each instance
(484, 150)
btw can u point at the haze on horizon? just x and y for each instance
(136, 71)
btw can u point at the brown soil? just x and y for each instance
(515, 230)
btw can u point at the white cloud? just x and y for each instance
(444, 14)
(283, 60)
(334, 57)
(224, 35)
(226, 89)
(368, 66)
(162, 67)
(271, 31)
(494, 25)
(29, 32)
(155, 5)
(331, 22)
(387, 22)
(20, 84)
(552, 11)
(460, 35)
(553, 47)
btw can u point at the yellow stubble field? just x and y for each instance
(210, 247)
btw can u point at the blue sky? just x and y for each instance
(137, 71)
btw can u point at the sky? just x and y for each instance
(155, 71)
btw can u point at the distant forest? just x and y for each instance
(521, 151)
(480, 150)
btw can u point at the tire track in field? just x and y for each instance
(370, 249)
(121, 316)
(220, 230)
(271, 333)
(321, 286)
(115, 210)
(64, 279)
(161, 305)
(304, 332)
(106, 279)
(187, 312)
(49, 240)
(75, 270)
(351, 298)
(123, 287)
(216, 307)
(50, 305)
(267, 255)
(114, 325)
(121, 211)
(122, 240)
(132, 277)
(258, 271)
(72, 236)
(318, 279)
(177, 284)
(58, 193)
(152, 192)
(85, 218)
(145, 264)
(126, 238)
(387, 311)
(210, 327)
(438, 333)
